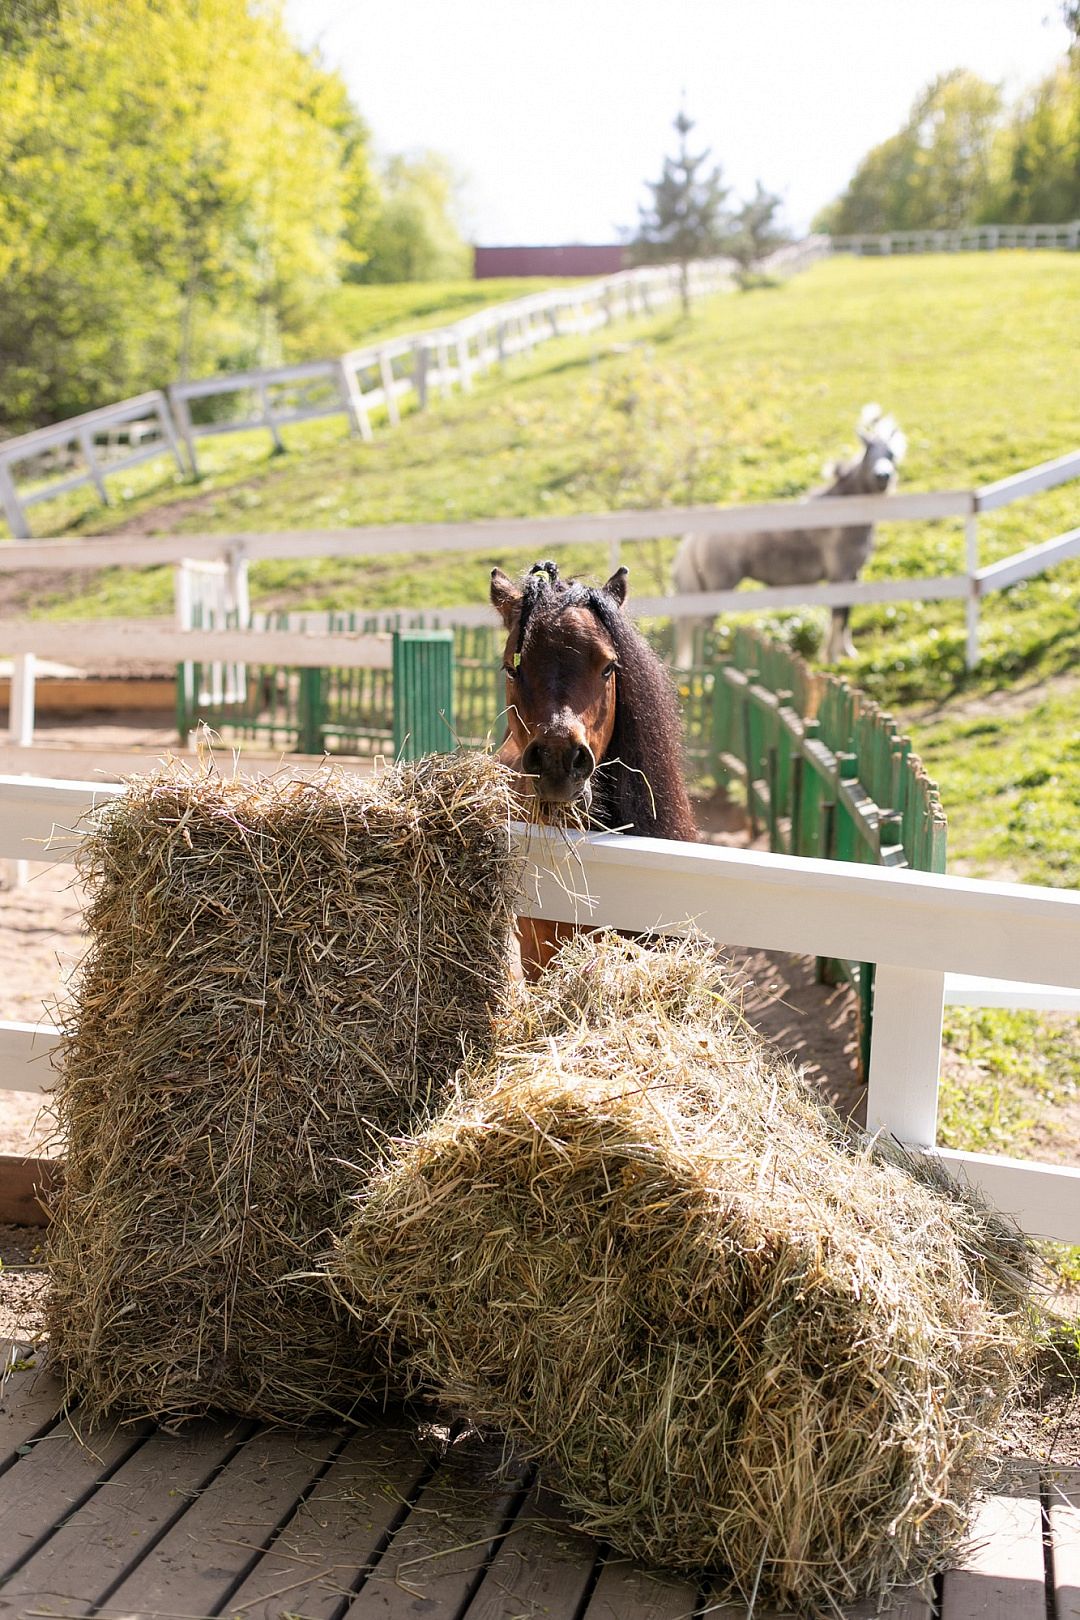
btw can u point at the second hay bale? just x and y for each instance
(734, 1336)
(281, 972)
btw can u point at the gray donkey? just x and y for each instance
(717, 562)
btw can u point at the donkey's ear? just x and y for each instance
(616, 585)
(505, 596)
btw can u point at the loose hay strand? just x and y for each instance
(284, 973)
(735, 1333)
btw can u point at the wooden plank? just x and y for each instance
(133, 639)
(56, 1475)
(625, 1591)
(86, 1558)
(23, 1183)
(905, 1604)
(962, 990)
(1063, 1492)
(438, 1557)
(1035, 560)
(541, 1571)
(489, 535)
(30, 1400)
(338, 1531)
(1047, 475)
(1043, 1198)
(80, 694)
(1002, 1577)
(27, 444)
(746, 897)
(199, 1562)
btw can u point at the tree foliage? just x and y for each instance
(685, 219)
(415, 235)
(963, 158)
(181, 184)
(934, 172)
(755, 232)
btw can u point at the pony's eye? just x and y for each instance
(608, 671)
(508, 669)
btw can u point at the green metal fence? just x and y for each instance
(826, 772)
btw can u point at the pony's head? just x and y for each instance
(592, 715)
(561, 664)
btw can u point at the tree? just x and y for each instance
(1037, 157)
(686, 219)
(934, 173)
(415, 235)
(755, 233)
(182, 183)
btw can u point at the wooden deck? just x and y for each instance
(384, 1523)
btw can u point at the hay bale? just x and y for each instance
(281, 972)
(734, 1335)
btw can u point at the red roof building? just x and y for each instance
(571, 259)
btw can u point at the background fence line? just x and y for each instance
(964, 239)
(377, 377)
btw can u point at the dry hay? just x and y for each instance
(281, 972)
(735, 1336)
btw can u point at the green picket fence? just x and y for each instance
(826, 772)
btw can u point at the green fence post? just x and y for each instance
(423, 693)
(310, 737)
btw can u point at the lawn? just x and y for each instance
(977, 355)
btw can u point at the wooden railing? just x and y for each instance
(916, 927)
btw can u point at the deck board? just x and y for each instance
(77, 1568)
(1003, 1576)
(337, 1533)
(380, 1524)
(541, 1571)
(209, 1551)
(1063, 1496)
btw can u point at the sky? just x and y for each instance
(555, 112)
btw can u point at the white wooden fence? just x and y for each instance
(146, 422)
(916, 927)
(967, 239)
(353, 385)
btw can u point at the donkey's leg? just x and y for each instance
(840, 644)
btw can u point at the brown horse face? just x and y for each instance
(561, 693)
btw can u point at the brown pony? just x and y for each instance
(593, 724)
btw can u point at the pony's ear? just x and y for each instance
(505, 596)
(616, 585)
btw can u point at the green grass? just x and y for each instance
(978, 357)
(351, 317)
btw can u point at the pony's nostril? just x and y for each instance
(582, 762)
(532, 760)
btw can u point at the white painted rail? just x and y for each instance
(966, 239)
(917, 927)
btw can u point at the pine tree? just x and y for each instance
(755, 232)
(686, 218)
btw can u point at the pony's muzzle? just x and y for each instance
(560, 768)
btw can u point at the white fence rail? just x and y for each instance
(145, 422)
(967, 239)
(916, 927)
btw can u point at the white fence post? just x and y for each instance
(386, 376)
(354, 399)
(182, 413)
(86, 445)
(13, 510)
(971, 537)
(905, 1053)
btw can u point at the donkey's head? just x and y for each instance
(561, 663)
(884, 447)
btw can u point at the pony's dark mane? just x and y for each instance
(638, 786)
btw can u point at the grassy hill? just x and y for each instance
(978, 357)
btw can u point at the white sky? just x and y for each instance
(556, 111)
